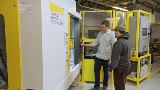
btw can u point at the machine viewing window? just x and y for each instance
(3, 56)
(144, 31)
(75, 42)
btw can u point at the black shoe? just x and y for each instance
(95, 89)
(104, 87)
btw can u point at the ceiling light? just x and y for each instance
(120, 8)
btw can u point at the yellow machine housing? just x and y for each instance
(9, 9)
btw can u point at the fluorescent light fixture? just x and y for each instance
(89, 7)
(120, 8)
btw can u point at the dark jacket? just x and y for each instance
(120, 58)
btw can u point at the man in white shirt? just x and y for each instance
(105, 40)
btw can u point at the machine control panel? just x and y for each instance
(144, 25)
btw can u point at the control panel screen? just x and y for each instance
(144, 31)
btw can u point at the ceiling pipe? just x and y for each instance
(141, 3)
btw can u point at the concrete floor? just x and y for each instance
(153, 84)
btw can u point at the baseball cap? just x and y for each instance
(120, 27)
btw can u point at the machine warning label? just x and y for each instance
(25, 7)
(57, 14)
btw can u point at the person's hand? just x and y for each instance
(109, 74)
(109, 62)
(82, 45)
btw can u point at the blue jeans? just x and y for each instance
(97, 68)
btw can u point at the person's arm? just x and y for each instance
(116, 53)
(87, 45)
(95, 43)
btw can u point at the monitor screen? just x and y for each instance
(144, 32)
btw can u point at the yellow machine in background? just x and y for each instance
(139, 32)
(139, 27)
(88, 63)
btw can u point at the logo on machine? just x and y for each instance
(57, 14)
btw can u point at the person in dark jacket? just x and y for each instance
(120, 59)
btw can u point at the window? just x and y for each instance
(3, 56)
(75, 42)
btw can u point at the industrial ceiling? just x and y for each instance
(109, 4)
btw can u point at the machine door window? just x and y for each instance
(75, 42)
(3, 56)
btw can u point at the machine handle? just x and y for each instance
(74, 42)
